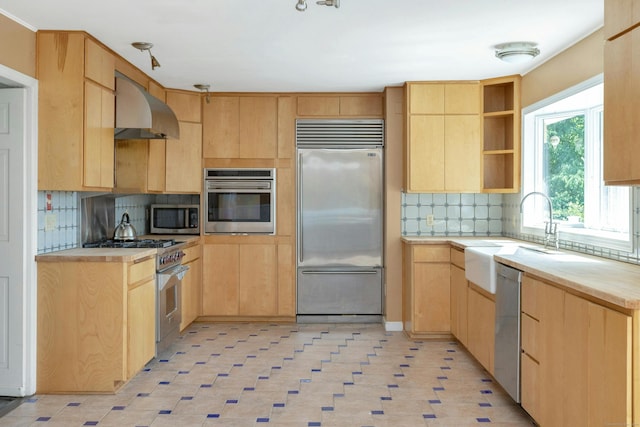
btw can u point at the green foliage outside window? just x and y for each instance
(564, 174)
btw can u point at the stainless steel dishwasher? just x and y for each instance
(507, 344)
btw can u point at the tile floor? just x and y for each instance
(291, 375)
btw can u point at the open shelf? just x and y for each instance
(498, 171)
(501, 135)
(498, 97)
(498, 132)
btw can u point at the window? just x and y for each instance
(562, 157)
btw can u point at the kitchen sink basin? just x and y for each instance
(480, 267)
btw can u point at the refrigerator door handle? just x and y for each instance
(338, 272)
(300, 225)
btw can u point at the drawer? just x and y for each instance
(530, 335)
(141, 270)
(529, 387)
(431, 253)
(457, 257)
(529, 297)
(191, 253)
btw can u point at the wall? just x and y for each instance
(580, 62)
(17, 46)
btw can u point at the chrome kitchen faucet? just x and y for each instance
(550, 228)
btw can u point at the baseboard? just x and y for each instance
(392, 326)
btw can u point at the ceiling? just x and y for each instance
(364, 45)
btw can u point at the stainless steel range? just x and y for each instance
(169, 275)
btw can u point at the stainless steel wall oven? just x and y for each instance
(240, 201)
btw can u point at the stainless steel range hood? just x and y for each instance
(140, 115)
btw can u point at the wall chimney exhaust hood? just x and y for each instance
(140, 115)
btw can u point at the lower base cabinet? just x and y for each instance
(576, 361)
(96, 323)
(248, 280)
(459, 297)
(141, 319)
(481, 327)
(426, 291)
(191, 302)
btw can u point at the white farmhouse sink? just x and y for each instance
(480, 267)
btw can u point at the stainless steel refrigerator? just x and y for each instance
(340, 220)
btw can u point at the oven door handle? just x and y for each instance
(165, 276)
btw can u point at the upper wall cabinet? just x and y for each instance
(621, 94)
(619, 16)
(183, 163)
(165, 166)
(442, 137)
(501, 135)
(365, 105)
(76, 112)
(240, 127)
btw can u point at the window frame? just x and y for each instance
(531, 154)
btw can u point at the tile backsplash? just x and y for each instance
(453, 214)
(63, 231)
(65, 221)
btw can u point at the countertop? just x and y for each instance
(607, 280)
(111, 254)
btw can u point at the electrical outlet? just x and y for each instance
(429, 220)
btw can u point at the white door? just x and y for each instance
(12, 245)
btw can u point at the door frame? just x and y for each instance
(15, 78)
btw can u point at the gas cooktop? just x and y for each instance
(139, 243)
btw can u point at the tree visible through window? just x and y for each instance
(562, 157)
(564, 152)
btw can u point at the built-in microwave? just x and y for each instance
(175, 219)
(240, 201)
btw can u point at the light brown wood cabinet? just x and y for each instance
(96, 323)
(141, 325)
(336, 106)
(165, 166)
(426, 291)
(183, 158)
(459, 297)
(501, 135)
(191, 303)
(442, 137)
(576, 361)
(248, 279)
(481, 327)
(75, 112)
(240, 127)
(620, 16)
(621, 151)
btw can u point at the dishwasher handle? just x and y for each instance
(509, 273)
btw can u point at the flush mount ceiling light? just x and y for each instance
(205, 89)
(142, 46)
(517, 52)
(335, 3)
(301, 6)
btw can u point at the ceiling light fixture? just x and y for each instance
(301, 6)
(142, 46)
(205, 89)
(335, 3)
(517, 52)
